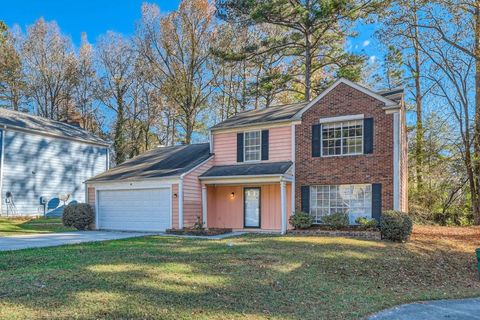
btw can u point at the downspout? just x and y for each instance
(2, 161)
(396, 161)
(293, 169)
(180, 203)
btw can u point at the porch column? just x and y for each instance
(283, 205)
(204, 205)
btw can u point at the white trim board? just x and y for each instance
(342, 118)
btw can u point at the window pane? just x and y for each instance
(252, 146)
(356, 200)
(342, 138)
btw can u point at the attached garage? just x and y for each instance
(137, 210)
(149, 192)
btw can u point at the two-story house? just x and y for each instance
(344, 151)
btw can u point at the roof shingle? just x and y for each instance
(251, 169)
(24, 121)
(158, 163)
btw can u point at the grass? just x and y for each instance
(14, 226)
(250, 277)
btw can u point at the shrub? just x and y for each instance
(336, 220)
(395, 226)
(78, 215)
(301, 220)
(367, 223)
(199, 224)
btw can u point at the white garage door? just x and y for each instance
(135, 210)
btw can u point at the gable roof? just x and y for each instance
(250, 169)
(161, 162)
(271, 114)
(291, 112)
(26, 122)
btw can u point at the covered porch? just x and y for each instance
(260, 202)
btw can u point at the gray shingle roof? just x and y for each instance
(251, 169)
(285, 112)
(24, 121)
(158, 163)
(274, 113)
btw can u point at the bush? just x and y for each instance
(301, 220)
(336, 220)
(78, 215)
(367, 223)
(395, 226)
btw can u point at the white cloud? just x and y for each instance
(366, 43)
(372, 59)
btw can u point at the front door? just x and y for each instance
(251, 207)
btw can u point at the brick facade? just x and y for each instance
(357, 169)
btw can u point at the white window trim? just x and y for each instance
(342, 118)
(322, 185)
(341, 141)
(244, 146)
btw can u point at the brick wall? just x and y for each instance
(369, 168)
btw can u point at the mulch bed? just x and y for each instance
(199, 232)
(348, 232)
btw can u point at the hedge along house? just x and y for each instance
(40, 157)
(345, 151)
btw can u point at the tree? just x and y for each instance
(177, 47)
(457, 24)
(116, 57)
(12, 84)
(400, 34)
(314, 32)
(84, 85)
(49, 64)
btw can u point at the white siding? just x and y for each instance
(37, 165)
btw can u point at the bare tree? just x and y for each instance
(177, 47)
(49, 64)
(116, 57)
(12, 84)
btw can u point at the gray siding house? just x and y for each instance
(42, 158)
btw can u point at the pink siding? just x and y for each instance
(225, 148)
(192, 194)
(175, 206)
(227, 212)
(280, 144)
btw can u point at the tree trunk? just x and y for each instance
(418, 107)
(476, 144)
(308, 67)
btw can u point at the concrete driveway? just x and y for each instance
(57, 239)
(433, 310)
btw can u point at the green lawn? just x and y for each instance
(250, 277)
(26, 226)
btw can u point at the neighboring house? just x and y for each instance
(345, 151)
(40, 157)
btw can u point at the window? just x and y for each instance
(342, 138)
(252, 146)
(354, 199)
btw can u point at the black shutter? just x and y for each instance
(368, 135)
(376, 201)
(305, 198)
(316, 132)
(265, 145)
(240, 147)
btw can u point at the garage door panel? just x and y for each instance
(142, 210)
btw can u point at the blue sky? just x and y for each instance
(97, 17)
